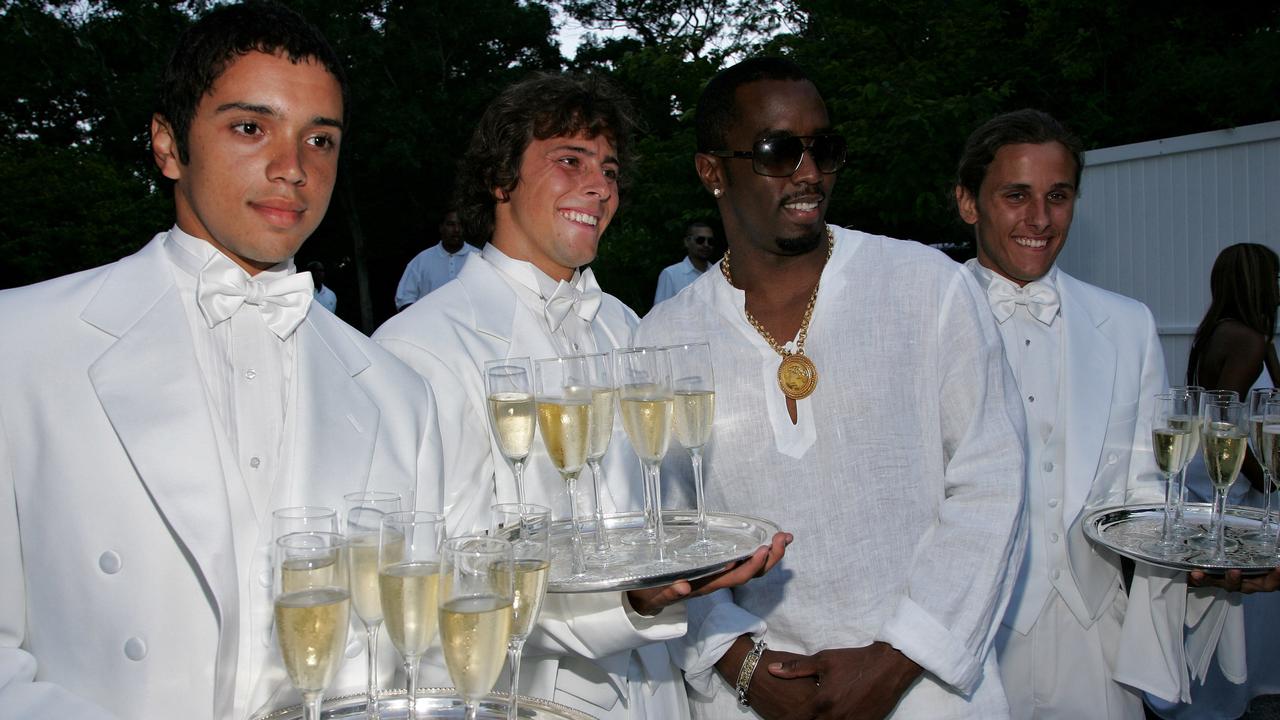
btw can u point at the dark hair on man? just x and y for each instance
(699, 224)
(540, 107)
(1243, 288)
(717, 108)
(1019, 127)
(206, 49)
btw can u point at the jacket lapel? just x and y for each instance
(149, 385)
(1089, 372)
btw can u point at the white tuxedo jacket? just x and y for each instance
(118, 579)
(584, 643)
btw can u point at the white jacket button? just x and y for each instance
(110, 562)
(135, 648)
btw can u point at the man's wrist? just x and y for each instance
(748, 669)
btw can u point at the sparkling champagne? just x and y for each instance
(363, 549)
(1224, 447)
(301, 573)
(312, 629)
(601, 422)
(1190, 423)
(647, 420)
(410, 605)
(1170, 447)
(512, 423)
(530, 588)
(473, 633)
(565, 430)
(694, 412)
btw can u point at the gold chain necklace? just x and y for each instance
(797, 375)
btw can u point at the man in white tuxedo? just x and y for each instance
(1074, 643)
(540, 180)
(158, 408)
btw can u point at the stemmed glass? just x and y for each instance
(475, 613)
(1180, 527)
(303, 518)
(1171, 432)
(600, 373)
(408, 572)
(528, 529)
(1258, 399)
(511, 411)
(695, 409)
(646, 399)
(312, 612)
(364, 512)
(1224, 435)
(563, 391)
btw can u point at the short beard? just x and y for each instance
(803, 244)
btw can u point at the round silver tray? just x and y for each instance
(639, 566)
(432, 703)
(1124, 529)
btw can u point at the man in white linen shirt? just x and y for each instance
(1088, 365)
(155, 410)
(902, 463)
(699, 247)
(540, 179)
(436, 265)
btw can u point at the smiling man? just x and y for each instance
(540, 180)
(860, 397)
(159, 408)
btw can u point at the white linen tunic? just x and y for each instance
(901, 480)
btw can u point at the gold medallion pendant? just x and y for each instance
(797, 376)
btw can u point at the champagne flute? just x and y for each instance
(363, 513)
(600, 372)
(646, 399)
(1171, 442)
(563, 392)
(300, 518)
(1258, 399)
(1224, 436)
(511, 412)
(312, 612)
(476, 590)
(408, 572)
(1180, 527)
(694, 412)
(528, 529)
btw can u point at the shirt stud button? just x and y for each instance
(254, 463)
(109, 562)
(135, 648)
(250, 374)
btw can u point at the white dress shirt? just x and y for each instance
(901, 479)
(675, 278)
(428, 270)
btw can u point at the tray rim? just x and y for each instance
(658, 580)
(560, 711)
(1095, 517)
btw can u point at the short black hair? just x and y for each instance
(717, 109)
(540, 107)
(699, 224)
(205, 50)
(1019, 127)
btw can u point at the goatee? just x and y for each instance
(803, 244)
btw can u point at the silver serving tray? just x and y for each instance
(1124, 529)
(640, 567)
(432, 703)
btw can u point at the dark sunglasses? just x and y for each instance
(781, 156)
(701, 239)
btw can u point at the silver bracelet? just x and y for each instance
(748, 669)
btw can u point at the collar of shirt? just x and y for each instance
(190, 254)
(439, 248)
(525, 273)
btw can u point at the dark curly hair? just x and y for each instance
(205, 50)
(1027, 126)
(540, 107)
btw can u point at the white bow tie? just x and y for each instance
(584, 300)
(222, 288)
(1039, 299)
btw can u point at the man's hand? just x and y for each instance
(863, 683)
(1234, 581)
(652, 600)
(770, 697)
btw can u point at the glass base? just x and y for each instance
(706, 549)
(1167, 550)
(1205, 541)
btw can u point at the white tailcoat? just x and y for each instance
(119, 593)
(583, 645)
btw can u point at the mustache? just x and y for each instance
(809, 193)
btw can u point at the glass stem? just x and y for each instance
(519, 468)
(695, 454)
(1178, 519)
(579, 562)
(372, 704)
(650, 527)
(597, 480)
(472, 709)
(653, 478)
(1219, 524)
(1166, 534)
(515, 646)
(1266, 503)
(311, 702)
(411, 684)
